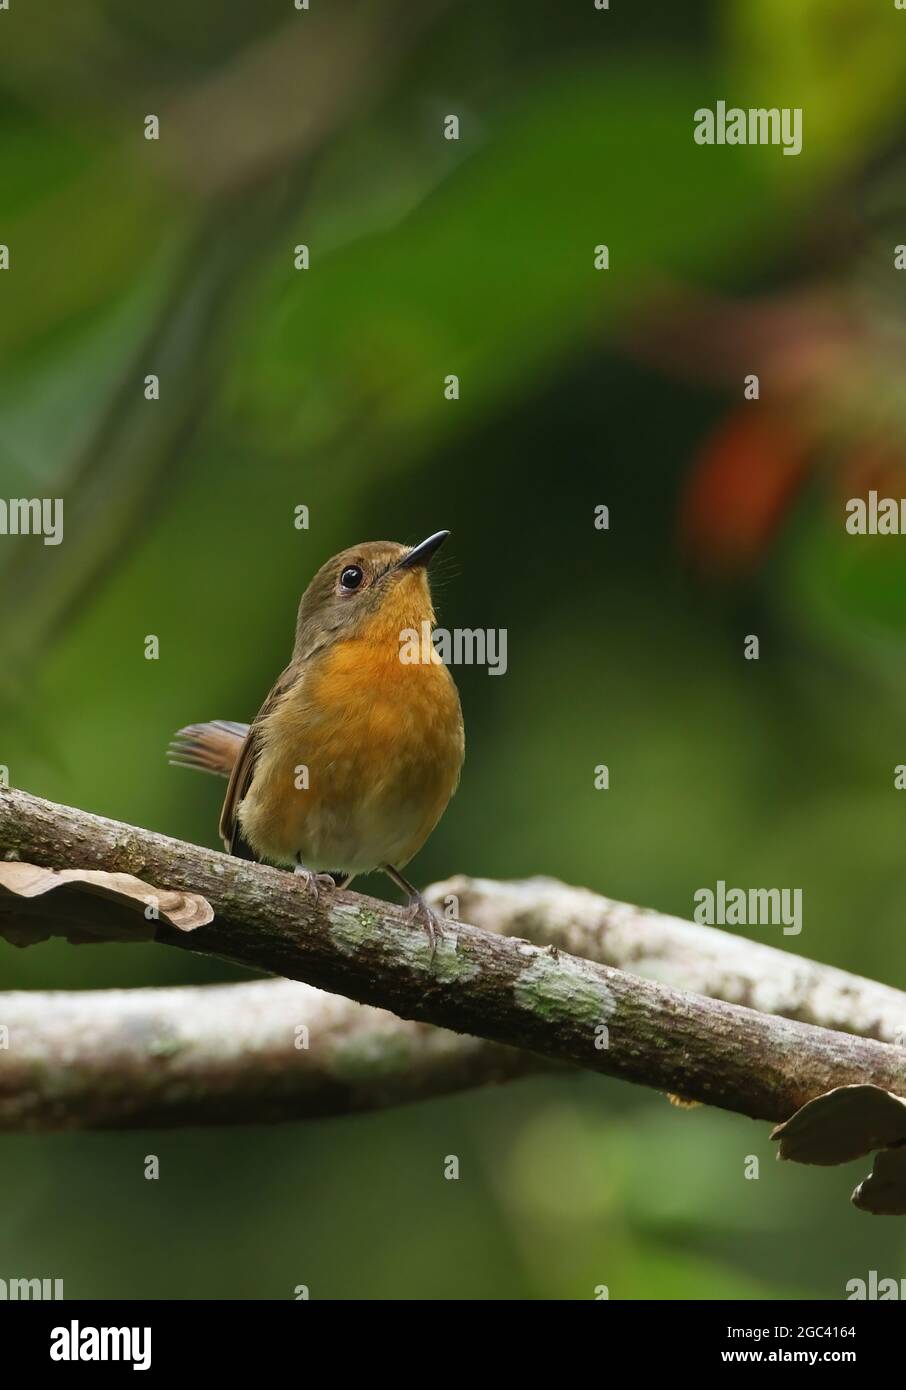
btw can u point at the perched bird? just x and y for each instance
(354, 755)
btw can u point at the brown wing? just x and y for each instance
(244, 766)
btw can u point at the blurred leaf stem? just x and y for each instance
(249, 142)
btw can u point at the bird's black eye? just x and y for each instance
(351, 578)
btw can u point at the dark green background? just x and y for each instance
(325, 388)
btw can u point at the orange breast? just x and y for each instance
(383, 746)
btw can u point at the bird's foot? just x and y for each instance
(419, 911)
(315, 884)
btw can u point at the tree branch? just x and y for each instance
(223, 1054)
(689, 957)
(555, 1005)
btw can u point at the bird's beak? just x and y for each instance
(421, 554)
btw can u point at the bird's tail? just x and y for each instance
(212, 747)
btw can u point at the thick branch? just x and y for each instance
(690, 957)
(223, 1054)
(555, 1005)
(228, 1054)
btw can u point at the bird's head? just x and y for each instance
(372, 591)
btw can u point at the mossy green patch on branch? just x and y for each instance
(352, 929)
(561, 993)
(448, 965)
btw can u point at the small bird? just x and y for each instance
(354, 755)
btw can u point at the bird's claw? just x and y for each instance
(419, 911)
(314, 883)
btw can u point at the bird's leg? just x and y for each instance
(314, 883)
(419, 911)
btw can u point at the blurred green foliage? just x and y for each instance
(325, 388)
